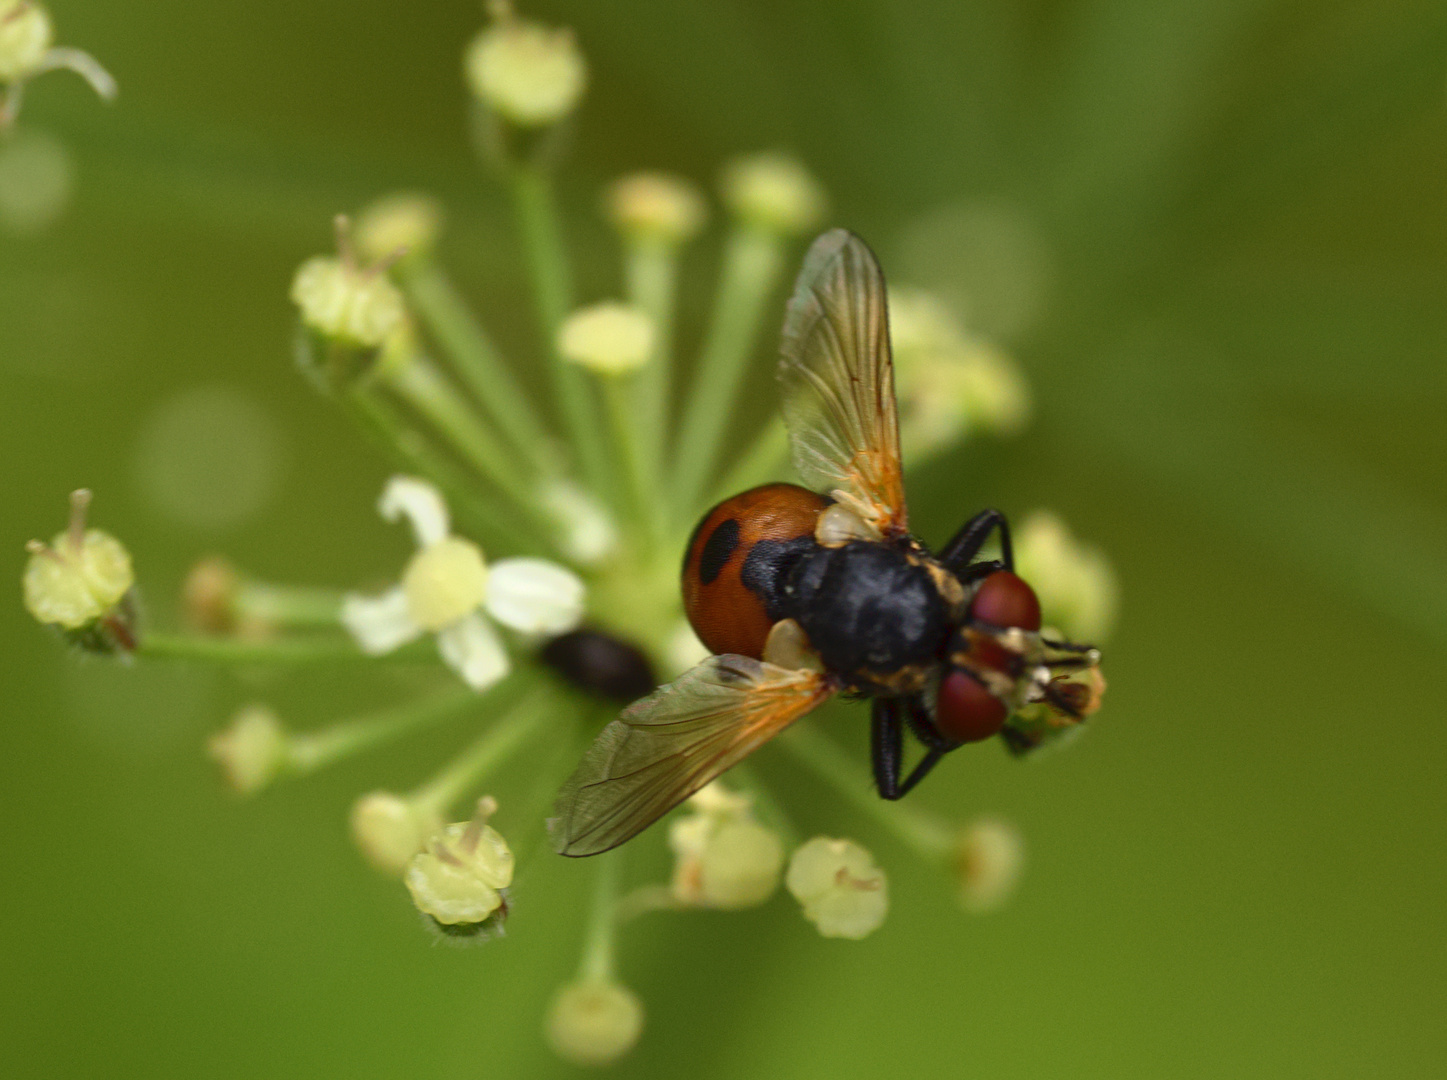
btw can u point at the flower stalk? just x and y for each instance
(753, 259)
(547, 262)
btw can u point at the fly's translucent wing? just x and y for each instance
(838, 382)
(666, 746)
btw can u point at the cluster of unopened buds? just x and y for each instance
(543, 586)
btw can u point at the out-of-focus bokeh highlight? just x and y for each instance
(1214, 237)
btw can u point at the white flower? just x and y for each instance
(447, 586)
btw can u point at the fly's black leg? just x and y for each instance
(966, 544)
(978, 571)
(936, 745)
(886, 739)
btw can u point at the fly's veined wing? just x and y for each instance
(838, 381)
(666, 746)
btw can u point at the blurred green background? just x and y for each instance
(1215, 234)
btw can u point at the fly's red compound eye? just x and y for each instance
(965, 710)
(1005, 600)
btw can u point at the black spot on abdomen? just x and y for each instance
(717, 550)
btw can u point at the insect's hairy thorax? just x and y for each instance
(875, 613)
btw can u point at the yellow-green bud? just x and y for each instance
(1074, 581)
(391, 829)
(80, 577)
(609, 338)
(775, 193)
(208, 595)
(656, 208)
(252, 751)
(740, 865)
(594, 1022)
(459, 878)
(26, 35)
(445, 581)
(529, 74)
(989, 857)
(37, 178)
(723, 857)
(405, 224)
(842, 891)
(948, 382)
(346, 303)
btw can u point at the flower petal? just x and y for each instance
(379, 623)
(534, 596)
(473, 649)
(420, 503)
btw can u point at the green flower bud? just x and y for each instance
(391, 829)
(723, 857)
(528, 74)
(347, 304)
(401, 225)
(1074, 581)
(989, 856)
(609, 338)
(656, 208)
(594, 1022)
(842, 891)
(774, 193)
(253, 751)
(26, 34)
(81, 582)
(459, 879)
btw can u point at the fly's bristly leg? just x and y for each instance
(966, 544)
(886, 741)
(917, 716)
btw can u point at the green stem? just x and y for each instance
(752, 261)
(921, 832)
(309, 751)
(652, 275)
(553, 290)
(640, 506)
(412, 452)
(767, 460)
(418, 382)
(423, 387)
(477, 361)
(287, 605)
(599, 947)
(503, 736)
(280, 651)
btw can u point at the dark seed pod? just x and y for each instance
(601, 664)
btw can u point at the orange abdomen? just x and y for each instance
(726, 614)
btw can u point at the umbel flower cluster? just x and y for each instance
(543, 585)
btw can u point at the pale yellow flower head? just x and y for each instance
(657, 207)
(458, 879)
(26, 34)
(609, 338)
(391, 829)
(407, 223)
(252, 751)
(80, 576)
(529, 74)
(347, 303)
(774, 192)
(594, 1022)
(843, 893)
